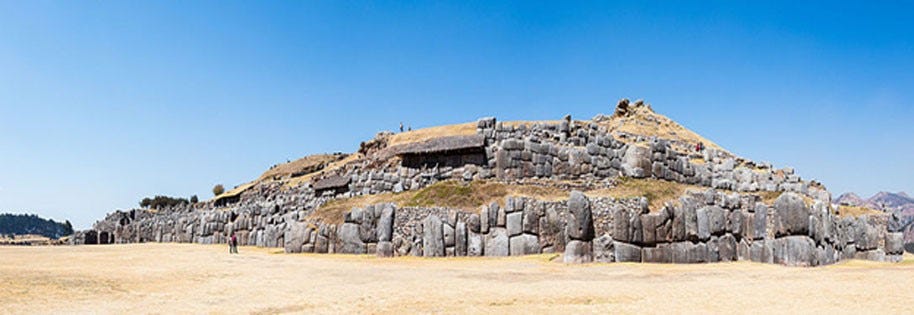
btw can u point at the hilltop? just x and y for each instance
(630, 186)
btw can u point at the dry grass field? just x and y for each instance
(186, 278)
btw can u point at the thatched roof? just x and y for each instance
(335, 181)
(441, 144)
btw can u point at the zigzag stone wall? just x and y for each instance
(699, 228)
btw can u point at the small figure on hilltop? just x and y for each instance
(700, 146)
(233, 244)
(401, 126)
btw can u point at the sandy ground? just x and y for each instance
(185, 278)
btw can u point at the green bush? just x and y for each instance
(218, 190)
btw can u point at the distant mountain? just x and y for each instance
(885, 201)
(22, 224)
(850, 199)
(891, 201)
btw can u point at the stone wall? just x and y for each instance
(700, 227)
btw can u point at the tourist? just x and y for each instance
(233, 244)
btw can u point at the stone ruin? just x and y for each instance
(726, 222)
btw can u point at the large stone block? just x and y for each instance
(515, 223)
(727, 248)
(703, 224)
(625, 252)
(678, 226)
(579, 224)
(497, 242)
(524, 244)
(385, 249)
(660, 254)
(386, 223)
(760, 222)
(475, 244)
(485, 220)
(717, 220)
(735, 223)
(688, 252)
(603, 250)
(474, 224)
(531, 220)
(791, 215)
(894, 243)
(578, 252)
(796, 250)
(636, 162)
(350, 241)
(621, 225)
(648, 229)
(460, 238)
(450, 237)
(433, 237)
(294, 237)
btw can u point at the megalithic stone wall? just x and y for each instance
(703, 227)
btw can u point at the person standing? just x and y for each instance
(233, 244)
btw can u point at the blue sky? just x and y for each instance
(105, 102)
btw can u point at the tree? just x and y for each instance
(194, 199)
(218, 190)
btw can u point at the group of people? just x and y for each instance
(700, 146)
(410, 128)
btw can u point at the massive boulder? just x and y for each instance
(791, 215)
(580, 219)
(636, 162)
(432, 237)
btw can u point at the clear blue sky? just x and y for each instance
(105, 102)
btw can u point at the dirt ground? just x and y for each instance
(185, 278)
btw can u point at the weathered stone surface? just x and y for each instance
(735, 223)
(497, 242)
(385, 249)
(688, 253)
(350, 241)
(578, 252)
(515, 223)
(648, 229)
(432, 237)
(625, 252)
(717, 220)
(579, 224)
(727, 248)
(460, 236)
(795, 250)
(603, 250)
(450, 239)
(474, 224)
(760, 222)
(386, 223)
(621, 225)
(894, 243)
(703, 224)
(531, 220)
(660, 254)
(636, 162)
(475, 244)
(485, 220)
(791, 215)
(678, 226)
(524, 244)
(367, 229)
(294, 237)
